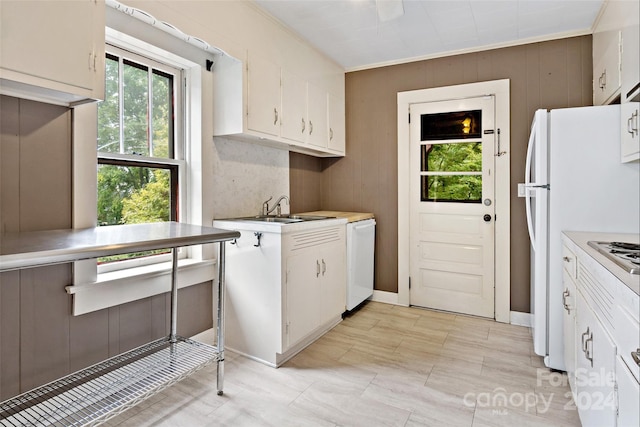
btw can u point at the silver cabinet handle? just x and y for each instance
(602, 81)
(588, 353)
(584, 335)
(635, 355)
(275, 116)
(324, 267)
(310, 127)
(304, 125)
(565, 294)
(330, 134)
(317, 268)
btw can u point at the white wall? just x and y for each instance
(245, 175)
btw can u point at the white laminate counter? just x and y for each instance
(350, 216)
(580, 238)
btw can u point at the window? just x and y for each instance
(451, 165)
(139, 145)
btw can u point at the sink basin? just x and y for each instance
(284, 219)
(276, 219)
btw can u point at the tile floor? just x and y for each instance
(382, 366)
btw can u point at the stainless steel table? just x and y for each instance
(98, 393)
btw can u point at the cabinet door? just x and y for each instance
(336, 124)
(294, 107)
(629, 136)
(52, 44)
(630, 58)
(317, 113)
(628, 396)
(303, 311)
(595, 369)
(569, 327)
(333, 280)
(606, 70)
(263, 96)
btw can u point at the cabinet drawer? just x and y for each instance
(627, 328)
(569, 262)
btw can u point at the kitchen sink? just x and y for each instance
(283, 219)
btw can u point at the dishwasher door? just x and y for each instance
(360, 255)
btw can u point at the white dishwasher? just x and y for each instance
(360, 256)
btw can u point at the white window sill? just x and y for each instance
(122, 286)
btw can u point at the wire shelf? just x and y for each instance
(96, 394)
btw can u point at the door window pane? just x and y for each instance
(451, 188)
(457, 157)
(451, 125)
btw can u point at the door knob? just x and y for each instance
(487, 217)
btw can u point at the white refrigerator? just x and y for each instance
(574, 181)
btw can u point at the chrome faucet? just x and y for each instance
(267, 211)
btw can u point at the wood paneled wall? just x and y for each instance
(39, 338)
(553, 74)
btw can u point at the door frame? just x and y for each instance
(502, 256)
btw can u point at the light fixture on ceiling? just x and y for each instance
(389, 9)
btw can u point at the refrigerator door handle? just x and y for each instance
(527, 182)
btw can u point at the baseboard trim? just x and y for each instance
(521, 319)
(385, 297)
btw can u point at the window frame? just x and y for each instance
(92, 291)
(176, 164)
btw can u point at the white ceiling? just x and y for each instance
(350, 32)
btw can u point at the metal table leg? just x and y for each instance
(174, 295)
(220, 326)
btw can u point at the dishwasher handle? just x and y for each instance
(363, 226)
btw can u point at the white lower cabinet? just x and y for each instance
(569, 327)
(315, 289)
(601, 341)
(595, 369)
(284, 289)
(628, 392)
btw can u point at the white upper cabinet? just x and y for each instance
(52, 51)
(317, 113)
(294, 108)
(616, 69)
(263, 92)
(271, 105)
(606, 66)
(336, 124)
(629, 136)
(630, 89)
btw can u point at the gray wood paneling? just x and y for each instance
(553, 74)
(9, 334)
(45, 166)
(44, 325)
(9, 164)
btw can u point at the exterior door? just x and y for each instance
(452, 205)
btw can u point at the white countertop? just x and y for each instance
(350, 216)
(580, 238)
(276, 227)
